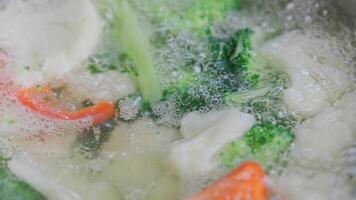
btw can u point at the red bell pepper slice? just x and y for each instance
(30, 98)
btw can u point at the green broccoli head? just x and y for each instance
(264, 143)
(200, 91)
(229, 71)
(204, 13)
(194, 16)
(13, 188)
(236, 53)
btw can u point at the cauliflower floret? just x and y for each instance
(196, 122)
(318, 76)
(316, 185)
(194, 156)
(48, 39)
(316, 160)
(321, 139)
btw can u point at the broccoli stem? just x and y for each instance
(136, 45)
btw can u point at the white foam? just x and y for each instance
(19, 121)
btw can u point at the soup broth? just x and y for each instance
(159, 99)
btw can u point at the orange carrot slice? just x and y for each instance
(246, 182)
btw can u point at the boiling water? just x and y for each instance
(133, 163)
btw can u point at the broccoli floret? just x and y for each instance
(264, 143)
(196, 16)
(200, 90)
(235, 54)
(227, 73)
(204, 13)
(126, 31)
(13, 188)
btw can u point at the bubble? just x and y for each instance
(129, 108)
(308, 19)
(19, 122)
(290, 6)
(167, 112)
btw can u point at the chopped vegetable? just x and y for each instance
(135, 42)
(247, 182)
(196, 16)
(200, 91)
(264, 143)
(197, 155)
(94, 69)
(307, 73)
(266, 101)
(10, 121)
(13, 188)
(230, 71)
(235, 55)
(37, 99)
(204, 13)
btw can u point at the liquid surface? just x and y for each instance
(305, 54)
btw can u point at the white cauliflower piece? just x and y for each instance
(51, 37)
(196, 122)
(321, 139)
(299, 184)
(317, 158)
(196, 156)
(318, 76)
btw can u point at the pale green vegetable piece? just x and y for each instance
(136, 44)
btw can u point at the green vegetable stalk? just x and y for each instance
(136, 44)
